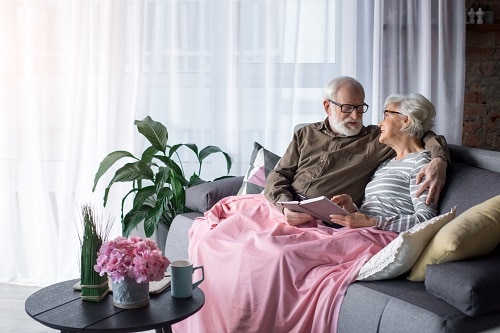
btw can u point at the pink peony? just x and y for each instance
(137, 258)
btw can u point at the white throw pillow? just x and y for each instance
(399, 256)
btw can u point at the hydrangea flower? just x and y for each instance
(135, 257)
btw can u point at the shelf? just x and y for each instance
(482, 27)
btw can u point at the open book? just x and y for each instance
(320, 207)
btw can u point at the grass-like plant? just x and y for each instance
(158, 179)
(93, 286)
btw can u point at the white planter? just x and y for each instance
(129, 294)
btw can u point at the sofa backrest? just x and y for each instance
(474, 176)
(483, 159)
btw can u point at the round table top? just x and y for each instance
(59, 306)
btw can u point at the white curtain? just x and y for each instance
(419, 46)
(74, 75)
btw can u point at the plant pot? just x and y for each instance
(489, 17)
(129, 294)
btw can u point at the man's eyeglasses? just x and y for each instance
(348, 108)
(387, 112)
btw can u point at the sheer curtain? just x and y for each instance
(419, 46)
(77, 73)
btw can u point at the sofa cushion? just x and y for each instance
(471, 286)
(398, 305)
(399, 256)
(262, 162)
(201, 198)
(473, 233)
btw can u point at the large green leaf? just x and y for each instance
(161, 178)
(143, 195)
(209, 150)
(154, 131)
(178, 193)
(132, 219)
(148, 154)
(173, 151)
(171, 165)
(157, 212)
(174, 148)
(124, 199)
(133, 171)
(169, 213)
(129, 172)
(107, 162)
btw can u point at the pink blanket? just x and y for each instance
(263, 275)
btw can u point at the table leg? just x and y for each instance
(164, 329)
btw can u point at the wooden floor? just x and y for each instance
(13, 318)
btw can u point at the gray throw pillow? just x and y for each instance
(201, 198)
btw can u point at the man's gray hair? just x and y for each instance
(418, 108)
(331, 89)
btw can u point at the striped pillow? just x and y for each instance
(262, 162)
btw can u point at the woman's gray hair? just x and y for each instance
(418, 108)
(331, 89)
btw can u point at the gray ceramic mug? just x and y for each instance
(181, 278)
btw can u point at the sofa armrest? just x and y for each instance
(201, 198)
(177, 243)
(470, 285)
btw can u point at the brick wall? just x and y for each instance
(481, 126)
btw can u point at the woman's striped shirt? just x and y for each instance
(390, 195)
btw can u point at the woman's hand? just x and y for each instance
(355, 220)
(344, 201)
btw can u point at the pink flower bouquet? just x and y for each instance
(137, 258)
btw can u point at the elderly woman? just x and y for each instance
(390, 201)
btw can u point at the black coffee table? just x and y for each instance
(59, 306)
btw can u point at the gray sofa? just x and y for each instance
(398, 305)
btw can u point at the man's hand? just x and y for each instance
(435, 178)
(355, 220)
(296, 218)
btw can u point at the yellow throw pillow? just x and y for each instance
(473, 233)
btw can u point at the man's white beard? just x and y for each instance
(339, 126)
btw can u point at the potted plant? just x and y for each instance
(93, 286)
(157, 178)
(131, 263)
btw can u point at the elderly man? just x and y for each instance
(340, 154)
